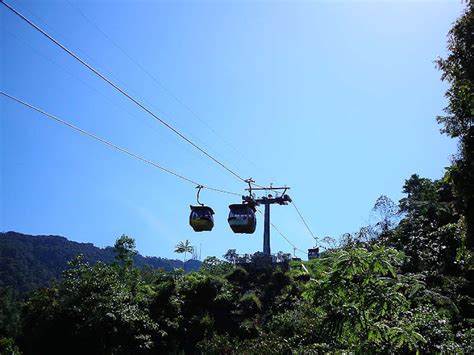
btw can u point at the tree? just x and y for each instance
(124, 249)
(387, 212)
(184, 247)
(93, 311)
(214, 266)
(10, 308)
(458, 70)
(430, 230)
(362, 302)
(231, 256)
(282, 257)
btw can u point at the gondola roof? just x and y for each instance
(201, 208)
(241, 206)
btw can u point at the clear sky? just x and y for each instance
(336, 99)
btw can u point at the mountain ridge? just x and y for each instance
(31, 261)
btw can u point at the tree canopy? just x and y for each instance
(403, 284)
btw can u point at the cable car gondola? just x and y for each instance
(201, 217)
(313, 253)
(242, 218)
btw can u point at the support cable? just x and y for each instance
(289, 242)
(118, 107)
(103, 141)
(123, 92)
(144, 108)
(284, 236)
(156, 81)
(304, 221)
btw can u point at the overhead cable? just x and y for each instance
(156, 81)
(304, 221)
(112, 145)
(144, 108)
(119, 89)
(282, 235)
(286, 238)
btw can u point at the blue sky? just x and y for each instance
(336, 99)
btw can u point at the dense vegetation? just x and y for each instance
(28, 262)
(401, 285)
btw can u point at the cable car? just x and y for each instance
(201, 218)
(313, 253)
(242, 218)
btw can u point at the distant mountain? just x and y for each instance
(28, 261)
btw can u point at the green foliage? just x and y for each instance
(460, 176)
(231, 256)
(360, 298)
(403, 285)
(431, 232)
(215, 266)
(8, 347)
(458, 71)
(184, 248)
(95, 309)
(397, 288)
(9, 313)
(124, 249)
(28, 262)
(250, 304)
(387, 213)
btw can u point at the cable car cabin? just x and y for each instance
(313, 253)
(242, 218)
(201, 218)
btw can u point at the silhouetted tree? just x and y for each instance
(184, 247)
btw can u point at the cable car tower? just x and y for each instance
(279, 198)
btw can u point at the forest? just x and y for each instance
(401, 285)
(28, 262)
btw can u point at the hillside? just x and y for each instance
(27, 261)
(401, 283)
